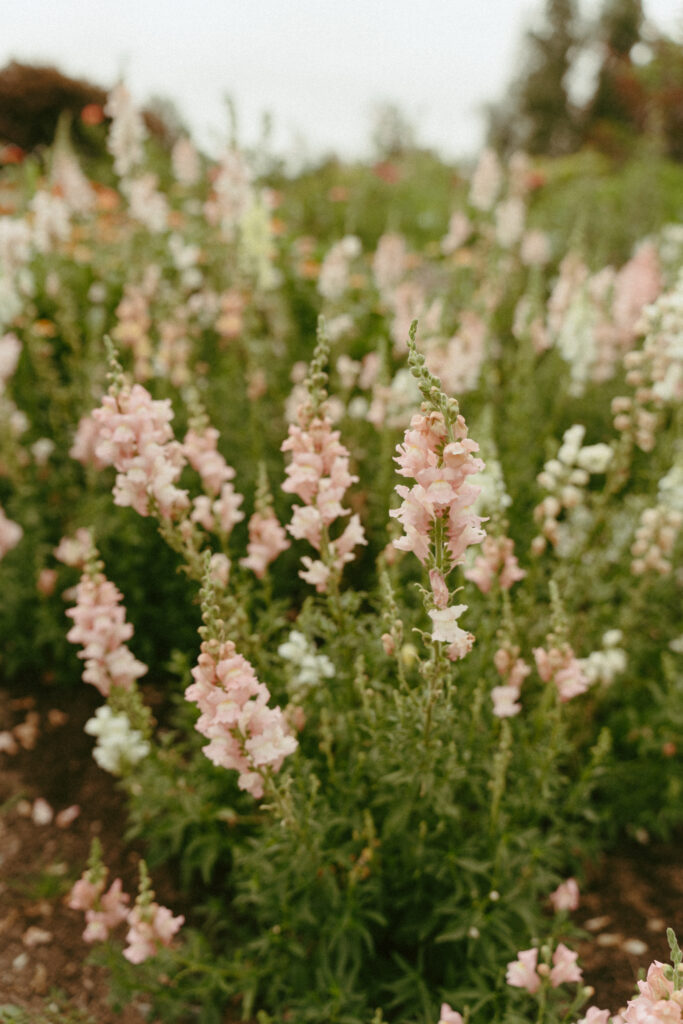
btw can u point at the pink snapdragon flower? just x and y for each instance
(103, 910)
(10, 533)
(440, 469)
(267, 540)
(319, 475)
(513, 670)
(151, 927)
(597, 1016)
(245, 734)
(566, 896)
(135, 436)
(100, 627)
(127, 131)
(200, 450)
(440, 461)
(521, 973)
(497, 563)
(565, 967)
(449, 1016)
(561, 666)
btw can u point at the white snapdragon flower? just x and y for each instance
(309, 667)
(118, 746)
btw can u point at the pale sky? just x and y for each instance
(319, 67)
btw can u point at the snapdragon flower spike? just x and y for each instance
(100, 627)
(319, 475)
(267, 538)
(135, 436)
(103, 910)
(246, 735)
(436, 513)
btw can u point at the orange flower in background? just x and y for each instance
(387, 171)
(92, 114)
(11, 154)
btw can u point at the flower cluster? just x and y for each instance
(319, 475)
(219, 508)
(245, 734)
(119, 746)
(127, 131)
(436, 512)
(103, 910)
(150, 926)
(513, 670)
(564, 479)
(100, 627)
(308, 668)
(560, 665)
(525, 972)
(135, 436)
(496, 564)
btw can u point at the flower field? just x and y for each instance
(355, 500)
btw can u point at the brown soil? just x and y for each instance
(629, 898)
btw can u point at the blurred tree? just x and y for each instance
(393, 133)
(538, 116)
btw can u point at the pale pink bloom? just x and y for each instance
(85, 439)
(151, 927)
(10, 533)
(227, 509)
(388, 644)
(566, 896)
(564, 669)
(306, 524)
(232, 193)
(51, 223)
(245, 734)
(146, 203)
(446, 629)
(389, 263)
(316, 573)
(505, 701)
(219, 567)
(127, 131)
(185, 160)
(333, 279)
(202, 511)
(84, 894)
(486, 181)
(510, 218)
(637, 284)
(319, 474)
(201, 452)
(595, 1016)
(449, 1016)
(535, 250)
(267, 540)
(521, 973)
(352, 535)
(459, 230)
(458, 362)
(109, 910)
(101, 629)
(565, 968)
(439, 588)
(656, 985)
(135, 437)
(496, 562)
